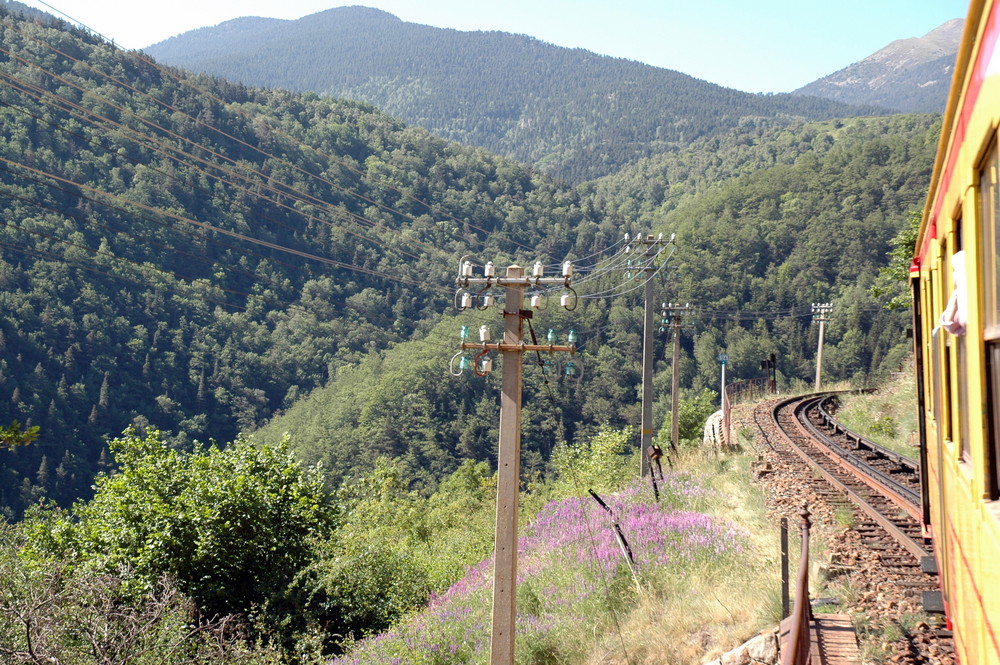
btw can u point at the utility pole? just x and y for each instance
(676, 312)
(509, 453)
(653, 246)
(821, 313)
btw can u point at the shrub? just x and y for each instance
(231, 526)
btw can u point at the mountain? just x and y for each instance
(909, 75)
(572, 113)
(196, 256)
(191, 255)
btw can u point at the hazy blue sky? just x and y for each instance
(751, 45)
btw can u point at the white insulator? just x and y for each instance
(566, 300)
(536, 300)
(467, 269)
(490, 270)
(539, 269)
(486, 365)
(487, 300)
(567, 269)
(484, 333)
(466, 300)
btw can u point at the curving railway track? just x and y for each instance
(810, 457)
(881, 487)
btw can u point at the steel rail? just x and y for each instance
(878, 480)
(904, 540)
(863, 441)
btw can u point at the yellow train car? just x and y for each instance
(955, 277)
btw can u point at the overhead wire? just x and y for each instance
(621, 290)
(185, 81)
(171, 150)
(146, 266)
(173, 177)
(217, 229)
(149, 241)
(41, 254)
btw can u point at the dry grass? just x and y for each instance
(705, 613)
(888, 416)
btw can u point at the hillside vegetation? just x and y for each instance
(193, 255)
(574, 114)
(754, 250)
(186, 260)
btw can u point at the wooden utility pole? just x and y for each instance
(508, 479)
(509, 454)
(675, 312)
(653, 245)
(821, 313)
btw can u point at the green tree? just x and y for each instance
(693, 411)
(233, 526)
(13, 435)
(892, 280)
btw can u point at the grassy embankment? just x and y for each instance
(706, 573)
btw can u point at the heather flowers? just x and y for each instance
(572, 575)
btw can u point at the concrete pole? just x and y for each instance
(508, 481)
(819, 354)
(647, 373)
(675, 387)
(821, 313)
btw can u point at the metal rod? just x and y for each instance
(784, 567)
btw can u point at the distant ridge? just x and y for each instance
(909, 75)
(574, 114)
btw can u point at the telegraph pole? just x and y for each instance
(653, 246)
(675, 311)
(821, 313)
(509, 453)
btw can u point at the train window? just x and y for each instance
(962, 377)
(989, 193)
(993, 365)
(958, 313)
(989, 206)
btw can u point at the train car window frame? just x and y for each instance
(988, 200)
(958, 345)
(989, 203)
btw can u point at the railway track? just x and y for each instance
(878, 486)
(813, 458)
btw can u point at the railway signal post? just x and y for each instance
(511, 349)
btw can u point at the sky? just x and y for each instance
(750, 45)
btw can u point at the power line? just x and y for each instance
(188, 156)
(187, 82)
(211, 227)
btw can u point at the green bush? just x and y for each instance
(232, 526)
(52, 611)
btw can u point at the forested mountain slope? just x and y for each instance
(192, 255)
(574, 114)
(769, 219)
(196, 256)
